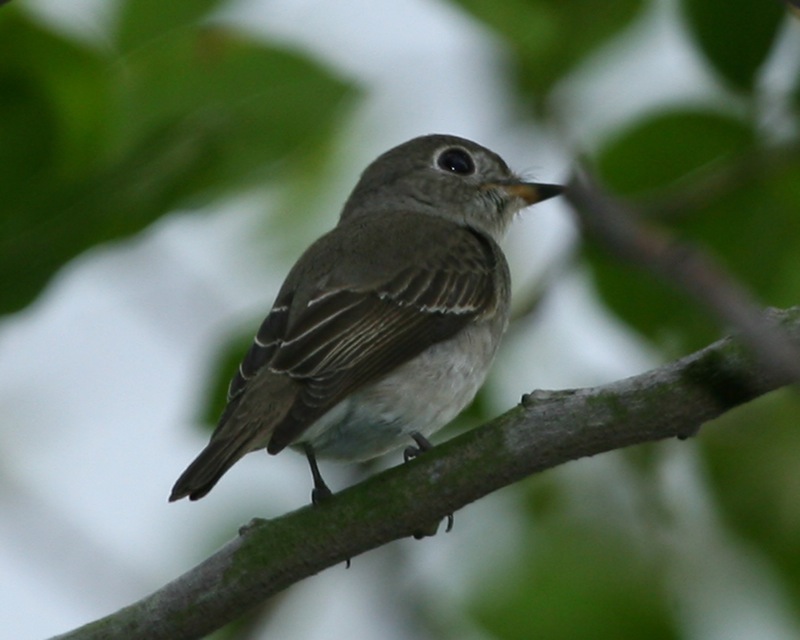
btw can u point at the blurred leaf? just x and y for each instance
(753, 231)
(656, 152)
(577, 582)
(781, 212)
(551, 38)
(252, 103)
(28, 135)
(96, 148)
(736, 37)
(141, 21)
(69, 81)
(754, 227)
(667, 152)
(54, 103)
(754, 465)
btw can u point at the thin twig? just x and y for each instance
(687, 268)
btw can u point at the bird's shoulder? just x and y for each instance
(369, 254)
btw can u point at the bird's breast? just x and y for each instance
(423, 395)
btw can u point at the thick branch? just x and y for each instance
(546, 430)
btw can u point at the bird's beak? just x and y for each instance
(531, 192)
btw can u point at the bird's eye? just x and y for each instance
(457, 161)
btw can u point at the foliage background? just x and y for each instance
(164, 163)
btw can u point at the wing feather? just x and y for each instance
(340, 336)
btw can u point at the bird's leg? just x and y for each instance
(321, 490)
(411, 452)
(423, 445)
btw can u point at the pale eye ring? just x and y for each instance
(456, 160)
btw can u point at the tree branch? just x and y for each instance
(629, 237)
(547, 429)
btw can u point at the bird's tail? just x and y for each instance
(213, 461)
(246, 425)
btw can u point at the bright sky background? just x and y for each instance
(100, 378)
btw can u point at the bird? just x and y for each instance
(386, 326)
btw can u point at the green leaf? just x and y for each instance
(736, 37)
(246, 103)
(550, 38)
(70, 80)
(28, 135)
(753, 227)
(577, 581)
(755, 475)
(661, 155)
(658, 151)
(740, 203)
(141, 21)
(96, 148)
(54, 115)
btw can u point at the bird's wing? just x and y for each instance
(337, 337)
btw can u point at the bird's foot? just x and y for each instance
(321, 492)
(423, 445)
(409, 453)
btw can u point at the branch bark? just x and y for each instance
(547, 429)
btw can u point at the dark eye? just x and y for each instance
(456, 160)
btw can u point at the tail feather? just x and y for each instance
(201, 476)
(246, 425)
